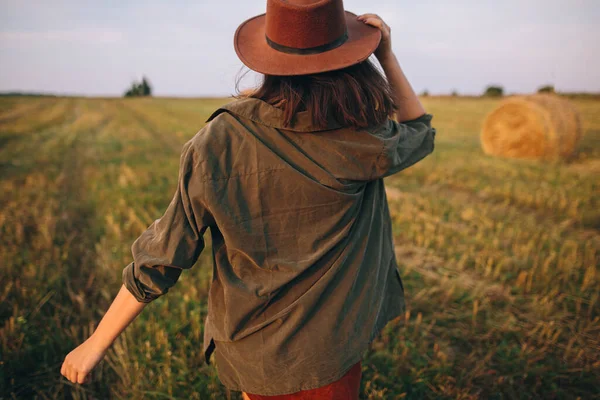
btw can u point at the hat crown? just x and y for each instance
(304, 24)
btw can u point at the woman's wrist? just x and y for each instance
(404, 96)
(123, 310)
(99, 342)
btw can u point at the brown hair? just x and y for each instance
(358, 96)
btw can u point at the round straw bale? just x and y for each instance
(541, 126)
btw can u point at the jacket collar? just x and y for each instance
(264, 113)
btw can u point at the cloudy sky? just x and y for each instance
(186, 47)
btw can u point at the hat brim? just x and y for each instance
(253, 50)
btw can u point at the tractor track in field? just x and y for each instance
(77, 212)
(73, 236)
(498, 205)
(13, 163)
(542, 215)
(14, 113)
(56, 120)
(431, 266)
(151, 129)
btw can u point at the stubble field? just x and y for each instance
(499, 258)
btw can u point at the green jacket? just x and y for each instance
(305, 275)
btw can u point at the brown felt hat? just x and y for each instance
(298, 37)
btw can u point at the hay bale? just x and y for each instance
(542, 126)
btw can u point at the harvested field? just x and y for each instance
(499, 258)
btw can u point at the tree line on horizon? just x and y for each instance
(139, 89)
(498, 91)
(144, 89)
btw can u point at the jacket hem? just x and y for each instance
(331, 378)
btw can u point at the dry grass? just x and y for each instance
(499, 258)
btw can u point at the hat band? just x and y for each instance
(311, 50)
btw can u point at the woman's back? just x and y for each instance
(304, 269)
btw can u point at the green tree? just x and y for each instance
(142, 88)
(494, 91)
(145, 87)
(546, 89)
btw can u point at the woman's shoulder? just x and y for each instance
(220, 126)
(241, 106)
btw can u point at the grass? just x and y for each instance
(499, 258)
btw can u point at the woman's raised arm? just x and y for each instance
(410, 107)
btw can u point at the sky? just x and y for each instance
(185, 48)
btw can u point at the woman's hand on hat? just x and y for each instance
(384, 50)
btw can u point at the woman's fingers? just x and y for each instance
(81, 361)
(82, 377)
(374, 20)
(369, 15)
(379, 24)
(73, 375)
(385, 47)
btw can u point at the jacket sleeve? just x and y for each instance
(405, 143)
(173, 242)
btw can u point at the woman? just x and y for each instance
(290, 181)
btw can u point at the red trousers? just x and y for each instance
(345, 388)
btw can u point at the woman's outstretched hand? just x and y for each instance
(384, 50)
(80, 362)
